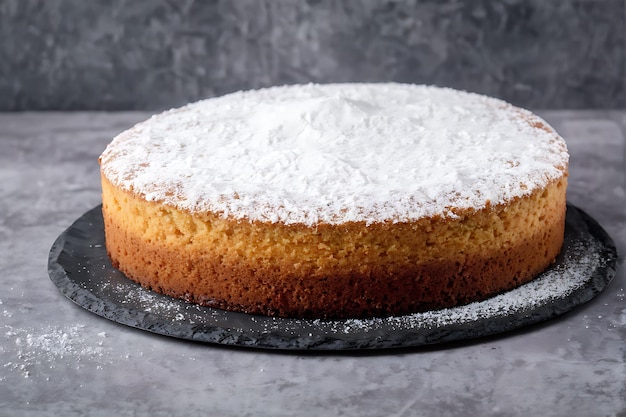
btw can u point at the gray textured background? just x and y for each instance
(124, 54)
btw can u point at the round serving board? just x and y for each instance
(79, 266)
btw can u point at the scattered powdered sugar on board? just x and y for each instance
(134, 296)
(150, 302)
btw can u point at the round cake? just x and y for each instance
(336, 201)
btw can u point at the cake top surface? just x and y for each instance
(337, 153)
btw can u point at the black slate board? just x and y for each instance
(79, 266)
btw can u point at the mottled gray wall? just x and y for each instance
(130, 54)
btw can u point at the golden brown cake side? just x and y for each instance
(344, 270)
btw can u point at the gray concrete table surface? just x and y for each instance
(57, 359)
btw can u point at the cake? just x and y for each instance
(336, 201)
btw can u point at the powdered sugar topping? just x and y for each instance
(337, 153)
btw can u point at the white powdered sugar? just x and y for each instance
(34, 348)
(337, 153)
